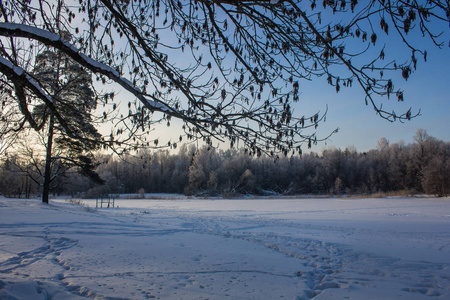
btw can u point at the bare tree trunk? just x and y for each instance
(48, 162)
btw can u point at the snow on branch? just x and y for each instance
(21, 80)
(54, 40)
(12, 71)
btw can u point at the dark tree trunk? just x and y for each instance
(48, 162)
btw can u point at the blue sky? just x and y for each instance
(427, 90)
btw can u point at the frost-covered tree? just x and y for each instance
(228, 69)
(430, 157)
(227, 172)
(436, 175)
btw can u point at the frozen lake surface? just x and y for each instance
(173, 247)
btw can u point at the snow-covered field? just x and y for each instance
(181, 248)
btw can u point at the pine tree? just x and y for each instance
(71, 88)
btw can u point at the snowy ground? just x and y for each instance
(180, 248)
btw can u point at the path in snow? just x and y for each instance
(226, 249)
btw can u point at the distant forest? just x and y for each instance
(419, 167)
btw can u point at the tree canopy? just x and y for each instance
(228, 69)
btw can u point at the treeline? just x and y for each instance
(420, 167)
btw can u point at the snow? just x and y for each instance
(19, 72)
(175, 247)
(96, 66)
